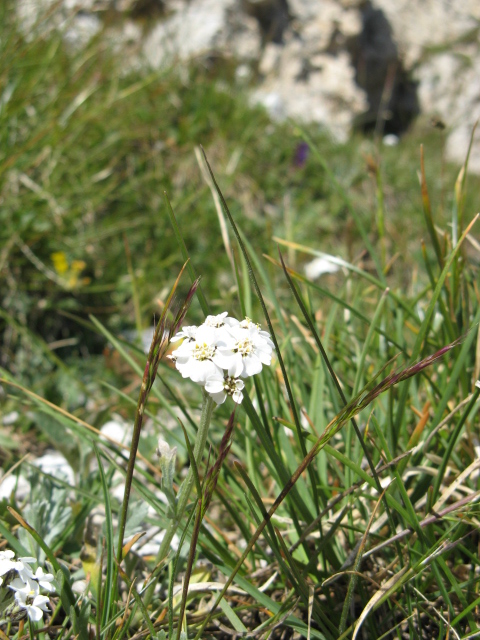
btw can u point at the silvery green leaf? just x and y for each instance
(137, 513)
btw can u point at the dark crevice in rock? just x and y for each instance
(272, 16)
(142, 9)
(392, 94)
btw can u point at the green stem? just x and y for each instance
(137, 428)
(186, 488)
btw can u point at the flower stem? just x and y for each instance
(187, 486)
(200, 442)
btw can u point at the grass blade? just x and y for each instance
(109, 588)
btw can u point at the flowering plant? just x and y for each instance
(18, 576)
(220, 352)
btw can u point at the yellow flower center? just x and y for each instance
(229, 385)
(244, 348)
(203, 351)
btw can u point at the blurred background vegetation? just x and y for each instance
(87, 151)
(88, 255)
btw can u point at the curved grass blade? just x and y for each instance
(191, 457)
(379, 284)
(343, 303)
(191, 558)
(348, 203)
(458, 368)
(333, 376)
(185, 256)
(265, 601)
(271, 533)
(368, 339)
(232, 617)
(139, 602)
(174, 573)
(425, 326)
(353, 408)
(288, 387)
(319, 615)
(13, 542)
(160, 341)
(109, 587)
(427, 212)
(282, 473)
(452, 441)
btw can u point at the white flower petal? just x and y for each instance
(188, 333)
(206, 334)
(237, 366)
(224, 358)
(237, 397)
(41, 601)
(220, 397)
(29, 587)
(264, 356)
(36, 608)
(6, 565)
(44, 579)
(214, 384)
(222, 346)
(35, 611)
(252, 366)
(216, 321)
(200, 371)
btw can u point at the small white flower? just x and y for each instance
(27, 584)
(220, 351)
(44, 579)
(196, 359)
(6, 555)
(22, 567)
(219, 387)
(164, 450)
(30, 588)
(188, 333)
(247, 350)
(248, 324)
(216, 321)
(6, 563)
(35, 604)
(319, 266)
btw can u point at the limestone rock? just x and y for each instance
(199, 27)
(339, 63)
(429, 23)
(450, 89)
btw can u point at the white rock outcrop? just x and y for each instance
(439, 40)
(304, 54)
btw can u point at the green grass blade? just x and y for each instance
(348, 203)
(234, 620)
(425, 327)
(185, 256)
(427, 212)
(109, 589)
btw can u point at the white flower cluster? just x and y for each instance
(220, 352)
(26, 584)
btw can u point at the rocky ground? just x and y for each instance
(374, 65)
